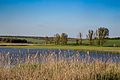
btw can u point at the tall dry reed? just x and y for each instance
(55, 67)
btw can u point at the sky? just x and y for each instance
(48, 17)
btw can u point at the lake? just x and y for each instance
(13, 56)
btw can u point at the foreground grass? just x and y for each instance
(95, 48)
(56, 67)
(62, 70)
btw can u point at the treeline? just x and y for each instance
(7, 40)
(99, 36)
(35, 37)
(115, 38)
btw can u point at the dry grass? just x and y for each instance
(61, 69)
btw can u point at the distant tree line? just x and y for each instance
(99, 36)
(115, 38)
(8, 40)
(35, 37)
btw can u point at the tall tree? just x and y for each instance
(46, 40)
(101, 34)
(80, 36)
(90, 36)
(57, 38)
(77, 41)
(64, 38)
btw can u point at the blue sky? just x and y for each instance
(48, 17)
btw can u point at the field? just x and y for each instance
(108, 43)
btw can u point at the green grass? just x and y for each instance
(108, 43)
(112, 42)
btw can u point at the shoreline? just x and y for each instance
(38, 46)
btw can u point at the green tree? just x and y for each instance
(46, 40)
(64, 38)
(51, 40)
(80, 36)
(57, 39)
(90, 36)
(101, 34)
(77, 41)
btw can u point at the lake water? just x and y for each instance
(15, 55)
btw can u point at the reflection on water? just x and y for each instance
(14, 56)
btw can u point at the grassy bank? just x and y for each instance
(95, 48)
